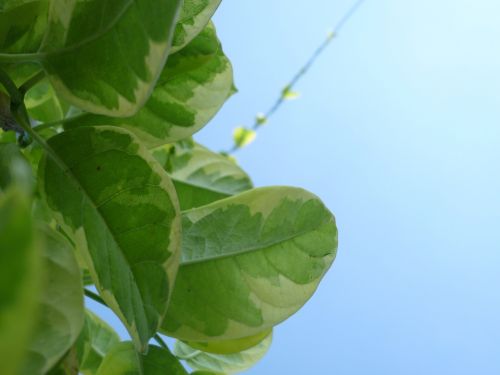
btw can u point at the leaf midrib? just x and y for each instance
(254, 248)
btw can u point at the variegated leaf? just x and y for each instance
(122, 359)
(43, 104)
(105, 56)
(229, 346)
(96, 339)
(193, 86)
(223, 363)
(249, 262)
(60, 315)
(201, 176)
(119, 206)
(195, 15)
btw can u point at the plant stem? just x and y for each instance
(24, 88)
(303, 70)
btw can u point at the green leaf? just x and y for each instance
(195, 15)
(105, 56)
(61, 314)
(243, 136)
(120, 208)
(289, 94)
(43, 104)
(22, 25)
(14, 168)
(249, 262)
(201, 176)
(122, 359)
(225, 363)
(229, 346)
(96, 339)
(19, 277)
(193, 86)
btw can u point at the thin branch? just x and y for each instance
(262, 119)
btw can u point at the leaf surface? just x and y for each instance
(249, 262)
(193, 86)
(60, 315)
(105, 56)
(96, 339)
(195, 15)
(120, 208)
(122, 359)
(19, 277)
(224, 363)
(201, 176)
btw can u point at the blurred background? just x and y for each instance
(397, 129)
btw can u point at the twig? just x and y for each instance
(240, 142)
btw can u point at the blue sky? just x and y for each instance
(398, 131)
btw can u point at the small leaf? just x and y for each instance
(260, 119)
(19, 277)
(122, 359)
(120, 208)
(288, 94)
(195, 15)
(95, 341)
(249, 262)
(60, 316)
(224, 363)
(201, 176)
(243, 136)
(193, 86)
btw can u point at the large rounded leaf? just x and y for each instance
(19, 277)
(193, 86)
(201, 176)
(195, 15)
(105, 56)
(60, 315)
(224, 363)
(249, 262)
(122, 359)
(121, 210)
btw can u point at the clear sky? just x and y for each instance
(398, 131)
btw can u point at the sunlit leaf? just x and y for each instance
(195, 15)
(120, 207)
(201, 176)
(249, 262)
(229, 346)
(193, 86)
(224, 363)
(243, 136)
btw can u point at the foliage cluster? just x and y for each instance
(103, 193)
